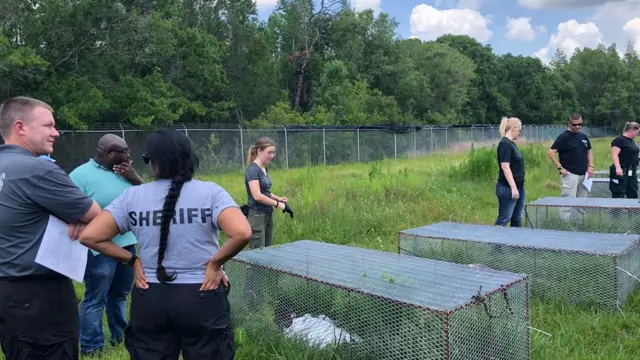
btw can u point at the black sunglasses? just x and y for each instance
(146, 158)
(576, 125)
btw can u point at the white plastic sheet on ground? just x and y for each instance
(318, 331)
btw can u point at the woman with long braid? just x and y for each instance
(177, 304)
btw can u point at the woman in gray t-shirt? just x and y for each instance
(177, 304)
(260, 199)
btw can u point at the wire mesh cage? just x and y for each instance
(600, 187)
(605, 174)
(579, 268)
(600, 215)
(369, 304)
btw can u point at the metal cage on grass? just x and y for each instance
(579, 268)
(605, 174)
(600, 187)
(385, 305)
(600, 215)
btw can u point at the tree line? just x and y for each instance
(151, 63)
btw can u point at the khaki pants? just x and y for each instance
(572, 185)
(262, 227)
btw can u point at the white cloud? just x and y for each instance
(615, 21)
(563, 4)
(361, 5)
(521, 29)
(428, 23)
(266, 4)
(632, 29)
(542, 54)
(469, 4)
(569, 36)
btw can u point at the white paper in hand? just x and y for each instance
(588, 182)
(61, 254)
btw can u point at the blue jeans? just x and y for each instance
(107, 284)
(509, 210)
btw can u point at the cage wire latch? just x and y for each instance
(480, 298)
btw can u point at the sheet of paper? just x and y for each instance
(588, 182)
(61, 254)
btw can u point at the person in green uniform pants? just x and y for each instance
(261, 200)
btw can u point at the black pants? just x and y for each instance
(39, 318)
(169, 318)
(625, 185)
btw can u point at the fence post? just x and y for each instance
(431, 129)
(446, 138)
(324, 146)
(472, 137)
(415, 148)
(395, 145)
(122, 129)
(358, 140)
(286, 147)
(241, 147)
(186, 132)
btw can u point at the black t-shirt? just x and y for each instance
(508, 152)
(573, 150)
(628, 150)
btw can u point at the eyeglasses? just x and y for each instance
(146, 158)
(576, 125)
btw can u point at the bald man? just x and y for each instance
(107, 283)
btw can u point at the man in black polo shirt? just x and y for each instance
(39, 317)
(576, 160)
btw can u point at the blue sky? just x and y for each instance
(522, 27)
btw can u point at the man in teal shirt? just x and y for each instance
(107, 283)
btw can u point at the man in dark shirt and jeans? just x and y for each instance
(39, 317)
(576, 161)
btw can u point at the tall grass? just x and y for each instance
(367, 204)
(481, 164)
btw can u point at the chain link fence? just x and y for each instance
(369, 304)
(225, 150)
(579, 268)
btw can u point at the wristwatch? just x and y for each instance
(131, 261)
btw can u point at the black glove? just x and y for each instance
(287, 209)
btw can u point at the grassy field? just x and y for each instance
(367, 204)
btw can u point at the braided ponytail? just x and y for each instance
(168, 212)
(172, 158)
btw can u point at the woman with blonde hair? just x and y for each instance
(622, 173)
(510, 185)
(260, 199)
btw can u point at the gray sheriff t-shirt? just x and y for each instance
(193, 234)
(30, 191)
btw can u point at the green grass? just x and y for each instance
(367, 204)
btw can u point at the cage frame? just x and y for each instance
(635, 244)
(555, 202)
(522, 279)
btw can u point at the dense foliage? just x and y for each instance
(152, 63)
